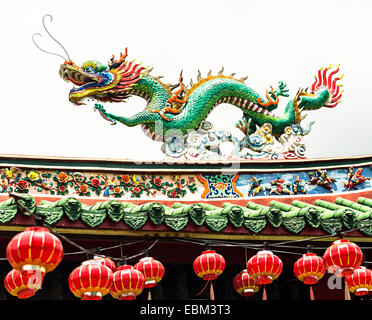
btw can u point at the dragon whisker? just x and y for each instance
(55, 54)
(47, 31)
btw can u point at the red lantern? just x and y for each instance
(342, 257)
(106, 262)
(34, 250)
(309, 268)
(152, 270)
(91, 280)
(245, 285)
(21, 286)
(127, 284)
(360, 281)
(264, 267)
(209, 265)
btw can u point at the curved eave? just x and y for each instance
(291, 227)
(121, 165)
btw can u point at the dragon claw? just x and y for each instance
(104, 114)
(99, 107)
(161, 113)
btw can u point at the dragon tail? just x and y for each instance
(322, 81)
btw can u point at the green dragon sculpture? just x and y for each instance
(185, 109)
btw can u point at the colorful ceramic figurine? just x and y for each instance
(321, 178)
(255, 186)
(353, 179)
(298, 185)
(279, 186)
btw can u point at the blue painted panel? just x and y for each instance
(341, 176)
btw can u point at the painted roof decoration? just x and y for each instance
(302, 200)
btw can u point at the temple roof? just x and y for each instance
(314, 197)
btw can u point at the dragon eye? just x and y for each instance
(89, 70)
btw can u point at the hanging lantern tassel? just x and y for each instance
(347, 292)
(149, 295)
(211, 291)
(312, 293)
(264, 294)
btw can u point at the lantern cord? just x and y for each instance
(244, 245)
(287, 252)
(141, 253)
(121, 248)
(218, 243)
(303, 240)
(105, 249)
(151, 246)
(189, 241)
(121, 245)
(206, 285)
(257, 247)
(68, 240)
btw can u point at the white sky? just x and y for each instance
(267, 40)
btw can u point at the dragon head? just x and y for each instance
(105, 83)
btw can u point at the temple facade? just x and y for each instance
(177, 209)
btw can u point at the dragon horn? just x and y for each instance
(148, 70)
(199, 75)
